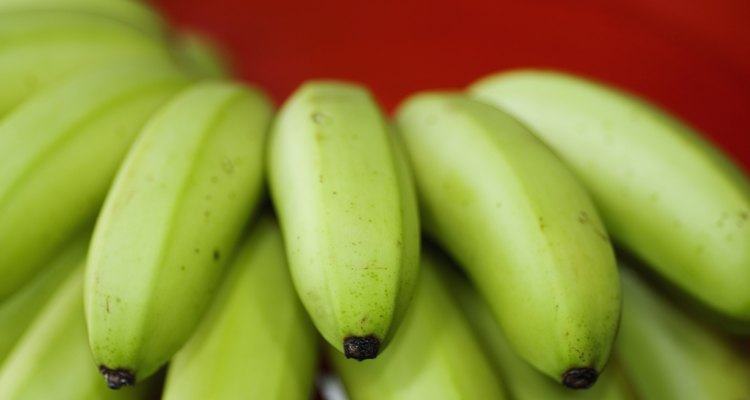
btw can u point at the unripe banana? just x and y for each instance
(525, 231)
(668, 355)
(64, 146)
(433, 355)
(521, 379)
(203, 56)
(664, 193)
(132, 12)
(256, 341)
(348, 214)
(40, 48)
(17, 312)
(52, 360)
(171, 219)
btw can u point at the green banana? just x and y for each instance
(522, 380)
(17, 312)
(433, 355)
(668, 355)
(172, 217)
(522, 227)
(64, 145)
(347, 212)
(40, 48)
(132, 12)
(664, 193)
(256, 342)
(52, 359)
(203, 56)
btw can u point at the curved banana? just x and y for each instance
(433, 355)
(521, 379)
(52, 359)
(171, 219)
(525, 231)
(348, 214)
(64, 145)
(40, 48)
(256, 341)
(132, 12)
(664, 193)
(667, 355)
(17, 312)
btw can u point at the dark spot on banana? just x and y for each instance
(583, 217)
(602, 234)
(117, 378)
(579, 378)
(361, 347)
(217, 255)
(318, 117)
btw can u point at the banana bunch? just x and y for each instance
(162, 226)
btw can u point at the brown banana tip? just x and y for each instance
(117, 378)
(361, 347)
(579, 378)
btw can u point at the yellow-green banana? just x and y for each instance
(668, 355)
(521, 379)
(172, 217)
(203, 55)
(132, 12)
(348, 214)
(433, 355)
(39, 48)
(17, 312)
(59, 152)
(525, 231)
(663, 192)
(256, 341)
(52, 360)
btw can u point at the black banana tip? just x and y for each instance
(117, 378)
(579, 378)
(361, 347)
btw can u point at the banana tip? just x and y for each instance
(361, 347)
(579, 378)
(117, 378)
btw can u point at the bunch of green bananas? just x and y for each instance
(162, 227)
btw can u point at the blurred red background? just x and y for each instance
(691, 57)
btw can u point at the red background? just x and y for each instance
(691, 57)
